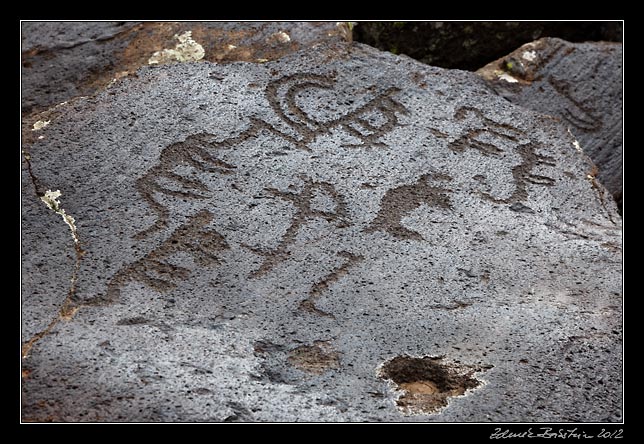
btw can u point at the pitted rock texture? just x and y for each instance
(580, 83)
(63, 60)
(259, 239)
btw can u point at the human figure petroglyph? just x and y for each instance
(367, 123)
(304, 212)
(184, 168)
(204, 155)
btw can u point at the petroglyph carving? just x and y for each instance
(399, 202)
(523, 173)
(575, 112)
(156, 272)
(305, 211)
(368, 123)
(485, 126)
(194, 151)
(320, 287)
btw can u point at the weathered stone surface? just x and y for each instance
(62, 60)
(470, 45)
(580, 83)
(288, 240)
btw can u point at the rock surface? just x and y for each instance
(580, 83)
(338, 235)
(62, 60)
(470, 45)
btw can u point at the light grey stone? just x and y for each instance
(258, 239)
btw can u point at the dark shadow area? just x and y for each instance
(470, 45)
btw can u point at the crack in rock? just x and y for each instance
(69, 308)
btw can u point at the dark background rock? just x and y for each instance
(63, 60)
(470, 45)
(580, 83)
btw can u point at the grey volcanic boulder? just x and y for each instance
(338, 235)
(63, 60)
(580, 83)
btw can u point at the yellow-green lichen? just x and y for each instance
(187, 50)
(40, 124)
(51, 200)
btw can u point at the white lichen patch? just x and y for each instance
(51, 200)
(187, 50)
(507, 77)
(577, 146)
(282, 37)
(530, 56)
(575, 142)
(40, 124)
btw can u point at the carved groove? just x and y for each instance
(576, 113)
(469, 139)
(522, 174)
(302, 202)
(154, 270)
(354, 122)
(198, 150)
(322, 286)
(399, 202)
